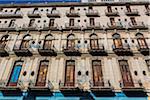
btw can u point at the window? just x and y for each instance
(3, 41)
(94, 41)
(17, 10)
(70, 73)
(71, 42)
(51, 23)
(147, 7)
(141, 40)
(92, 22)
(112, 21)
(42, 73)
(32, 21)
(133, 21)
(71, 22)
(25, 42)
(15, 73)
(72, 10)
(125, 72)
(35, 10)
(148, 64)
(97, 73)
(128, 8)
(117, 40)
(12, 23)
(109, 9)
(53, 10)
(48, 42)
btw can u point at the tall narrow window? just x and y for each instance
(71, 22)
(117, 41)
(94, 41)
(51, 23)
(147, 7)
(92, 22)
(17, 10)
(70, 73)
(42, 73)
(97, 73)
(12, 23)
(35, 10)
(31, 22)
(25, 42)
(141, 40)
(112, 21)
(148, 64)
(3, 41)
(128, 8)
(72, 10)
(126, 74)
(15, 74)
(71, 42)
(109, 9)
(53, 10)
(48, 42)
(133, 21)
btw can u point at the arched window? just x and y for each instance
(141, 40)
(117, 40)
(42, 73)
(48, 42)
(3, 41)
(15, 73)
(25, 41)
(94, 41)
(71, 41)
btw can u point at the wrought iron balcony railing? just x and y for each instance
(29, 27)
(133, 12)
(75, 26)
(112, 13)
(35, 14)
(92, 13)
(138, 25)
(116, 25)
(96, 25)
(18, 14)
(72, 13)
(6, 27)
(71, 51)
(50, 27)
(53, 14)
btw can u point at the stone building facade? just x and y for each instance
(75, 51)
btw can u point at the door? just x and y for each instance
(126, 74)
(42, 73)
(70, 73)
(97, 73)
(15, 74)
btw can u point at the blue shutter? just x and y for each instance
(15, 74)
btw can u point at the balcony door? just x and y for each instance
(133, 21)
(12, 23)
(141, 40)
(92, 22)
(126, 74)
(71, 42)
(3, 41)
(31, 22)
(128, 8)
(42, 73)
(15, 73)
(94, 42)
(71, 22)
(117, 41)
(97, 73)
(112, 22)
(48, 42)
(51, 23)
(72, 10)
(70, 73)
(109, 9)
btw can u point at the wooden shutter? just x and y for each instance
(97, 73)
(70, 73)
(142, 42)
(125, 72)
(15, 74)
(42, 73)
(133, 21)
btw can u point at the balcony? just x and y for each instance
(3, 51)
(43, 89)
(112, 13)
(102, 89)
(6, 27)
(95, 26)
(122, 50)
(138, 25)
(35, 14)
(48, 27)
(76, 26)
(11, 14)
(92, 13)
(147, 12)
(47, 52)
(27, 27)
(136, 89)
(72, 51)
(116, 25)
(21, 51)
(70, 89)
(72, 13)
(133, 12)
(145, 50)
(97, 51)
(53, 14)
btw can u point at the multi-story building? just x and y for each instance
(86, 51)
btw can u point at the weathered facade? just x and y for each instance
(71, 51)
